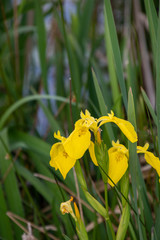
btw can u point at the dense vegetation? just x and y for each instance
(56, 59)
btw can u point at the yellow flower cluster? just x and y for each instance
(65, 153)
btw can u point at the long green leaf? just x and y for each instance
(38, 185)
(111, 68)
(11, 187)
(24, 100)
(103, 107)
(5, 232)
(110, 25)
(153, 23)
(133, 161)
(41, 35)
(158, 81)
(148, 103)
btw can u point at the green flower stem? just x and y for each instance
(124, 222)
(110, 230)
(93, 202)
(103, 160)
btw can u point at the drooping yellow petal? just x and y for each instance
(149, 157)
(125, 126)
(118, 164)
(92, 153)
(153, 161)
(60, 159)
(77, 143)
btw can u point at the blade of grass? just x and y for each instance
(133, 161)
(36, 183)
(41, 35)
(110, 25)
(148, 103)
(153, 23)
(103, 108)
(158, 81)
(24, 100)
(74, 69)
(111, 68)
(26, 141)
(5, 232)
(11, 187)
(85, 20)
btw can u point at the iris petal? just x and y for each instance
(60, 159)
(92, 153)
(118, 164)
(125, 126)
(77, 143)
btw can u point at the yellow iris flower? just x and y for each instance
(64, 154)
(59, 157)
(118, 161)
(79, 140)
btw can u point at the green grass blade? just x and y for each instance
(103, 107)
(27, 141)
(5, 232)
(148, 103)
(11, 187)
(133, 160)
(158, 82)
(110, 26)
(111, 67)
(38, 185)
(24, 100)
(157, 221)
(41, 35)
(85, 20)
(153, 23)
(73, 64)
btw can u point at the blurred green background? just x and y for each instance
(48, 50)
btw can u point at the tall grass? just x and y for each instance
(62, 60)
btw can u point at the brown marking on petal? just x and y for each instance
(65, 154)
(119, 157)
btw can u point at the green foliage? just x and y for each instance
(51, 68)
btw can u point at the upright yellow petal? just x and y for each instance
(118, 164)
(77, 143)
(58, 136)
(87, 121)
(77, 212)
(142, 149)
(125, 126)
(60, 159)
(92, 153)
